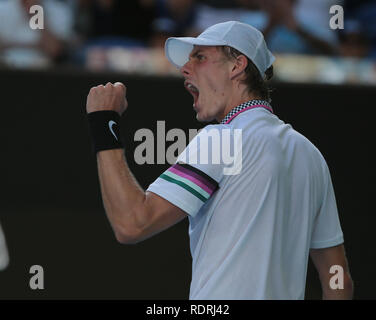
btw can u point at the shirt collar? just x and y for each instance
(246, 106)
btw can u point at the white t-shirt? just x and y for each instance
(251, 229)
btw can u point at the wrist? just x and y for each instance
(104, 128)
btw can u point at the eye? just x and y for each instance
(200, 57)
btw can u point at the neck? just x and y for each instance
(234, 102)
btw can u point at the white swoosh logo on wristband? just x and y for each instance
(110, 124)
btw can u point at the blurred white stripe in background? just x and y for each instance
(4, 257)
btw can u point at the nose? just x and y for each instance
(186, 69)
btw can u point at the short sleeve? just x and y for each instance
(197, 174)
(327, 230)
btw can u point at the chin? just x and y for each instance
(199, 118)
(203, 115)
(204, 118)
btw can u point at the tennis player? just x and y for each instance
(252, 227)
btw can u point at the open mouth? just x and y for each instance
(192, 90)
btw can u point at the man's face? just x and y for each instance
(207, 78)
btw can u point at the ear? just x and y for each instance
(239, 66)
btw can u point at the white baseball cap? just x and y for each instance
(240, 36)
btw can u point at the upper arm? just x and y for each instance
(323, 259)
(182, 189)
(336, 282)
(158, 215)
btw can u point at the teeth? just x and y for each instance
(192, 87)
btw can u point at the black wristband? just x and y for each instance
(105, 130)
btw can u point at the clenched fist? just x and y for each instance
(108, 97)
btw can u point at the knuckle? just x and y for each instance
(121, 86)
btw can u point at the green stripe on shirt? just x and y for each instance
(189, 183)
(183, 185)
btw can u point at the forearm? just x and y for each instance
(134, 215)
(123, 198)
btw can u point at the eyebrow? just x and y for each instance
(194, 54)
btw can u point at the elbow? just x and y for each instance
(126, 238)
(127, 226)
(127, 233)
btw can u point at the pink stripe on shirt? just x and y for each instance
(189, 177)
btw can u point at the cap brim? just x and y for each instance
(178, 49)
